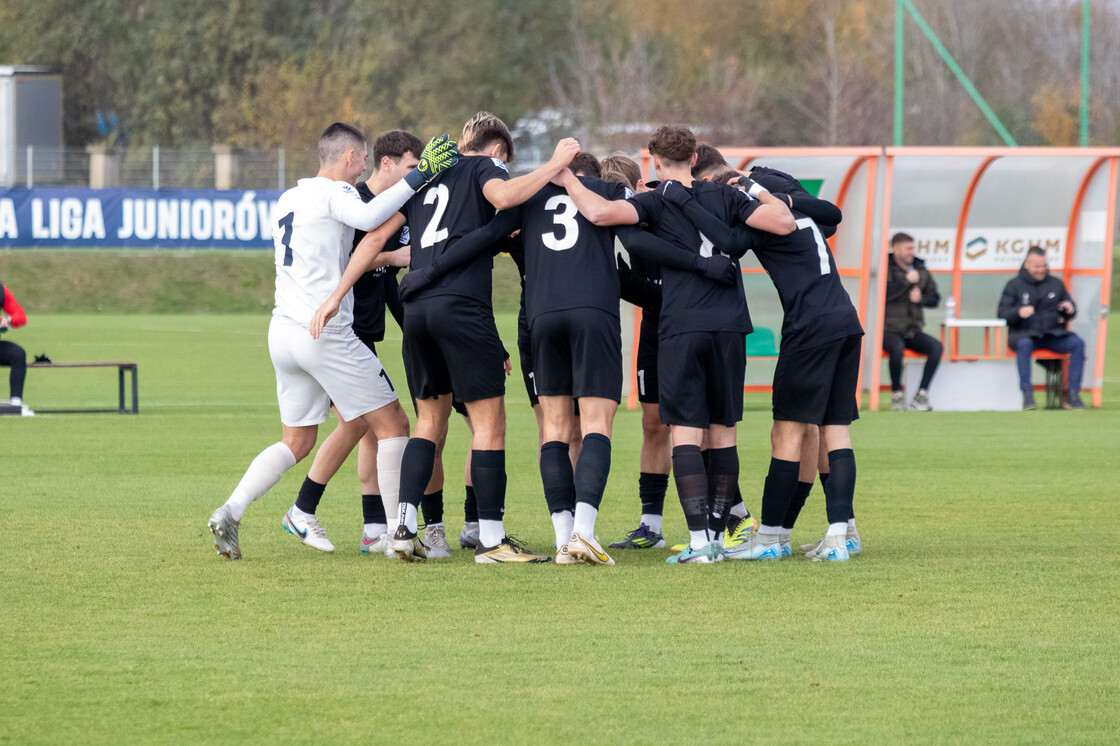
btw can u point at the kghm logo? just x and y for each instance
(976, 248)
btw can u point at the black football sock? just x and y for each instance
(373, 510)
(781, 481)
(310, 493)
(800, 495)
(488, 472)
(723, 477)
(470, 506)
(841, 485)
(651, 491)
(592, 468)
(692, 486)
(432, 507)
(557, 477)
(416, 470)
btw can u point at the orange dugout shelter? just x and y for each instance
(973, 212)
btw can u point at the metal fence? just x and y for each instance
(164, 168)
(182, 168)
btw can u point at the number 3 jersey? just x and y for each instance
(451, 206)
(569, 261)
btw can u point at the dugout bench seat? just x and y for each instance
(122, 368)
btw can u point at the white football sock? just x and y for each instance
(407, 516)
(16, 401)
(562, 526)
(584, 523)
(300, 514)
(490, 533)
(852, 523)
(698, 539)
(764, 529)
(265, 471)
(390, 451)
(739, 510)
(651, 520)
(784, 537)
(373, 530)
(838, 529)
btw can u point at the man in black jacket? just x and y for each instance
(1038, 308)
(910, 287)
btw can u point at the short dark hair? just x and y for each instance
(898, 238)
(708, 160)
(394, 144)
(617, 167)
(1038, 250)
(336, 140)
(725, 176)
(483, 130)
(586, 164)
(673, 143)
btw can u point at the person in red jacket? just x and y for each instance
(10, 353)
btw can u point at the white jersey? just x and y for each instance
(313, 235)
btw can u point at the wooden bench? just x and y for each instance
(121, 368)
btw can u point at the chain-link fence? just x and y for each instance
(162, 168)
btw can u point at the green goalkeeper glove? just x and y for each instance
(439, 155)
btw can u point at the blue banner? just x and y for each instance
(136, 218)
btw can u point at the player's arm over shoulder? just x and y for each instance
(769, 214)
(346, 206)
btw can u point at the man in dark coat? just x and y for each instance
(910, 288)
(1037, 308)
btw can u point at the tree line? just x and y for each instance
(265, 73)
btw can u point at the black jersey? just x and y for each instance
(449, 207)
(569, 261)
(801, 266)
(691, 302)
(376, 288)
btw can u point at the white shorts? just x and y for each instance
(313, 373)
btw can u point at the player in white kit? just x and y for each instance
(313, 231)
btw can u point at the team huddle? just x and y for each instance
(444, 211)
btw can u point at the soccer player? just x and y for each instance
(641, 285)
(395, 153)
(815, 379)
(313, 234)
(451, 344)
(701, 334)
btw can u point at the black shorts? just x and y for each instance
(818, 385)
(368, 341)
(578, 352)
(451, 346)
(701, 378)
(525, 355)
(646, 362)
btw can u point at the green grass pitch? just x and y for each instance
(983, 609)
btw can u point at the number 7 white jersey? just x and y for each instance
(313, 234)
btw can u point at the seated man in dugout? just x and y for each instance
(910, 288)
(1038, 308)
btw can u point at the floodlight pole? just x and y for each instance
(899, 56)
(1084, 73)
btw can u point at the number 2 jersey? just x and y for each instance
(451, 206)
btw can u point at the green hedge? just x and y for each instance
(65, 281)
